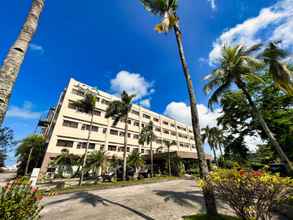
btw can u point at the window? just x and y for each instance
(121, 133)
(173, 133)
(156, 119)
(71, 105)
(158, 129)
(97, 113)
(102, 147)
(146, 116)
(129, 135)
(112, 148)
(121, 149)
(159, 141)
(64, 143)
(165, 123)
(166, 131)
(77, 92)
(136, 123)
(142, 125)
(82, 145)
(71, 124)
(129, 122)
(142, 151)
(87, 127)
(173, 125)
(113, 132)
(104, 130)
(135, 112)
(105, 102)
(136, 136)
(135, 149)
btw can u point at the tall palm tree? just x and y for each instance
(65, 161)
(119, 111)
(235, 67)
(211, 135)
(96, 162)
(167, 10)
(87, 104)
(168, 144)
(135, 160)
(273, 56)
(147, 136)
(13, 60)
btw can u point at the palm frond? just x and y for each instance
(217, 94)
(159, 7)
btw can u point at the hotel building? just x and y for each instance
(66, 127)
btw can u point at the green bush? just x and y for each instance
(19, 201)
(251, 194)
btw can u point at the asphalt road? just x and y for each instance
(160, 201)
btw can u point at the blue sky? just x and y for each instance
(96, 40)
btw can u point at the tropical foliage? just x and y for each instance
(18, 200)
(65, 162)
(119, 110)
(30, 153)
(168, 144)
(251, 194)
(96, 162)
(147, 136)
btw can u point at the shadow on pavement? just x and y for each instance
(93, 200)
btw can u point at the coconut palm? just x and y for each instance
(87, 104)
(168, 144)
(235, 67)
(135, 160)
(147, 136)
(212, 135)
(13, 60)
(119, 111)
(273, 56)
(167, 10)
(96, 162)
(65, 161)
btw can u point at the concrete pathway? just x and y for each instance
(166, 201)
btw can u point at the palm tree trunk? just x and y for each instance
(28, 161)
(12, 62)
(221, 150)
(208, 192)
(152, 159)
(125, 147)
(86, 149)
(169, 161)
(215, 155)
(264, 125)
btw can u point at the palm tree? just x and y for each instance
(167, 10)
(283, 77)
(168, 144)
(96, 162)
(236, 66)
(147, 136)
(88, 106)
(65, 161)
(135, 160)
(212, 137)
(119, 110)
(13, 60)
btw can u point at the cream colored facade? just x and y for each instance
(68, 127)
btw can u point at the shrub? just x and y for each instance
(18, 200)
(251, 194)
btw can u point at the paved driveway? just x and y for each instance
(166, 201)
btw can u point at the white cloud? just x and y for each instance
(272, 23)
(213, 4)
(146, 103)
(132, 83)
(180, 111)
(23, 112)
(38, 48)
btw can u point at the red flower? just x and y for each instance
(257, 173)
(241, 172)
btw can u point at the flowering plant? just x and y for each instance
(18, 200)
(251, 194)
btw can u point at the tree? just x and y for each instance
(236, 67)
(209, 135)
(65, 161)
(167, 10)
(96, 162)
(168, 144)
(13, 60)
(147, 136)
(6, 140)
(30, 153)
(282, 75)
(135, 160)
(119, 111)
(87, 105)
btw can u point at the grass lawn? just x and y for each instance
(109, 185)
(207, 217)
